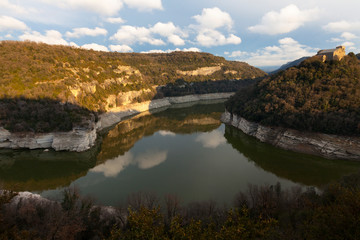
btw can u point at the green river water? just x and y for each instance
(183, 150)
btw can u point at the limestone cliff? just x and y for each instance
(325, 145)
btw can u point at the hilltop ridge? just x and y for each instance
(315, 96)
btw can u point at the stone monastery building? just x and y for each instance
(332, 54)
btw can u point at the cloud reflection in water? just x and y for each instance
(212, 139)
(147, 160)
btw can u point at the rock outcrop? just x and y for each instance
(325, 145)
(79, 140)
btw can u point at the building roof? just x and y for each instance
(327, 50)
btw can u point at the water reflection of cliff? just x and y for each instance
(198, 118)
(38, 170)
(300, 168)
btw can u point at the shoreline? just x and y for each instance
(320, 144)
(80, 140)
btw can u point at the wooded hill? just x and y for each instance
(314, 96)
(39, 82)
(92, 79)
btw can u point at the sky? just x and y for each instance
(262, 33)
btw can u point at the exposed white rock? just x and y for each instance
(329, 146)
(79, 140)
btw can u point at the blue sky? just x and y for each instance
(261, 32)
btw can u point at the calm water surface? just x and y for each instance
(182, 150)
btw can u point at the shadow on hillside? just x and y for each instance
(43, 115)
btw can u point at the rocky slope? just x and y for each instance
(325, 145)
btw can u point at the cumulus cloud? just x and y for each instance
(288, 19)
(50, 37)
(81, 32)
(10, 23)
(5, 4)
(121, 48)
(208, 25)
(115, 20)
(146, 160)
(95, 46)
(287, 50)
(103, 7)
(343, 26)
(170, 31)
(131, 35)
(212, 139)
(211, 37)
(144, 5)
(212, 18)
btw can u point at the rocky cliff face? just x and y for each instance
(328, 146)
(79, 140)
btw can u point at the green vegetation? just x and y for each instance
(266, 212)
(97, 81)
(87, 78)
(45, 115)
(315, 96)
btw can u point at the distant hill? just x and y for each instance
(314, 96)
(358, 56)
(289, 64)
(39, 82)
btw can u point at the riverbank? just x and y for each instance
(325, 145)
(82, 139)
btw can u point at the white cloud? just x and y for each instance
(348, 35)
(144, 5)
(115, 20)
(80, 32)
(170, 31)
(50, 37)
(210, 37)
(192, 49)
(103, 7)
(343, 26)
(4, 4)
(10, 23)
(120, 48)
(212, 18)
(235, 54)
(288, 19)
(287, 50)
(212, 139)
(95, 46)
(209, 22)
(131, 35)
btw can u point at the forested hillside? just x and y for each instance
(47, 88)
(314, 96)
(92, 79)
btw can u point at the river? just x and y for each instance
(184, 150)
